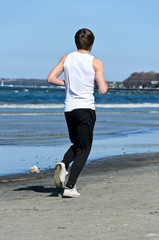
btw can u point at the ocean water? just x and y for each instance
(34, 132)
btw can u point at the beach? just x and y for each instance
(119, 200)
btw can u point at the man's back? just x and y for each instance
(79, 81)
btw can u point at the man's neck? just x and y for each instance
(83, 51)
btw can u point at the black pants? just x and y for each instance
(80, 124)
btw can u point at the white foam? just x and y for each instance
(129, 105)
(56, 106)
(29, 114)
(26, 90)
(30, 106)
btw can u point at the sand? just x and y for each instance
(119, 200)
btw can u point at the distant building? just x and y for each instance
(155, 84)
(114, 85)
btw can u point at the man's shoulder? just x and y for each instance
(63, 59)
(65, 56)
(97, 63)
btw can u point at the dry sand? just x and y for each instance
(119, 200)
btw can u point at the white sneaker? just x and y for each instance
(71, 192)
(60, 175)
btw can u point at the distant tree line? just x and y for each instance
(25, 82)
(136, 80)
(143, 79)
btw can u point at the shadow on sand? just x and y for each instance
(54, 192)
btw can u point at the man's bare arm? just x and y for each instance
(99, 76)
(56, 72)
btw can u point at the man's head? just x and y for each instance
(84, 39)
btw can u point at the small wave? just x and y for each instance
(32, 106)
(29, 114)
(127, 112)
(56, 106)
(154, 111)
(129, 105)
(26, 90)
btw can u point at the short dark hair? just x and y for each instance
(84, 39)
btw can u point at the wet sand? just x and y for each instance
(119, 200)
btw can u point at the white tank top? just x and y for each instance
(79, 81)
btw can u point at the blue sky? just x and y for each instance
(35, 34)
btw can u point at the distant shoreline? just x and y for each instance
(135, 89)
(56, 87)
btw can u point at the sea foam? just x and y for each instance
(56, 106)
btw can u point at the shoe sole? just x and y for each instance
(65, 196)
(57, 180)
(69, 195)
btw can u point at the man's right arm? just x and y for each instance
(56, 72)
(99, 76)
